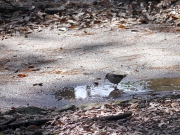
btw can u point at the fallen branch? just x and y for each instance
(115, 117)
(54, 10)
(25, 124)
(8, 121)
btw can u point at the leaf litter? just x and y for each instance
(25, 17)
(148, 116)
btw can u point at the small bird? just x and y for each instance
(114, 78)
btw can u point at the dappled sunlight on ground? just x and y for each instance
(66, 59)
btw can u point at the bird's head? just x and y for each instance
(106, 77)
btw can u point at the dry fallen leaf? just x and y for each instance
(85, 31)
(176, 16)
(23, 29)
(63, 20)
(102, 133)
(87, 129)
(58, 72)
(79, 114)
(56, 16)
(57, 122)
(133, 106)
(22, 75)
(30, 66)
(73, 26)
(13, 108)
(175, 104)
(32, 127)
(121, 26)
(109, 106)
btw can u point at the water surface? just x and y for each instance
(123, 89)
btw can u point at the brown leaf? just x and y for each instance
(30, 66)
(121, 26)
(102, 133)
(87, 129)
(63, 20)
(175, 104)
(87, 24)
(133, 106)
(13, 108)
(97, 22)
(58, 72)
(58, 122)
(178, 24)
(109, 106)
(176, 16)
(22, 75)
(85, 31)
(56, 16)
(73, 26)
(32, 127)
(79, 114)
(23, 29)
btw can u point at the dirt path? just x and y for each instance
(57, 59)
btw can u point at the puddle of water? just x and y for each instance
(163, 84)
(125, 88)
(106, 90)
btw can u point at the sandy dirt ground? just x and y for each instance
(57, 59)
